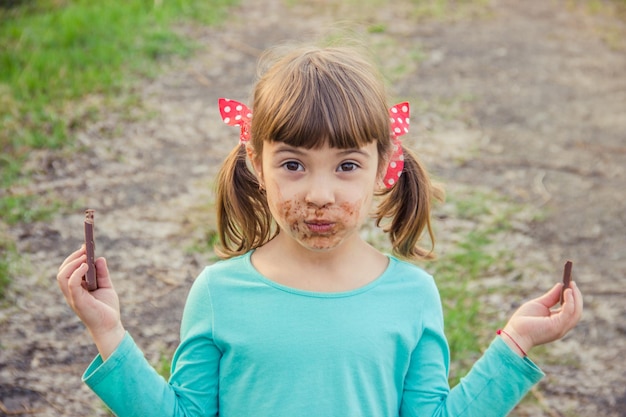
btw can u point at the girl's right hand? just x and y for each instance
(99, 310)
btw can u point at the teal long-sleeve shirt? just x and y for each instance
(252, 347)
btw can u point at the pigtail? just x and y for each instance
(407, 206)
(244, 221)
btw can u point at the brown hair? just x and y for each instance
(308, 98)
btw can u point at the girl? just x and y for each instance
(303, 317)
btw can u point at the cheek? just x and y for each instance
(289, 213)
(350, 213)
(358, 205)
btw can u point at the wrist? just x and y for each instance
(107, 341)
(515, 341)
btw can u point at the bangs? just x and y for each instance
(325, 112)
(318, 100)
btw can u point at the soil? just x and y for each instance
(530, 103)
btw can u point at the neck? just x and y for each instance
(347, 267)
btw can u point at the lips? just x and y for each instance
(320, 226)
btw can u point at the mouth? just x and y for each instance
(320, 226)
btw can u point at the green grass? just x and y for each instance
(8, 253)
(164, 364)
(606, 17)
(450, 9)
(54, 54)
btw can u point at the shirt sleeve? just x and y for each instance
(497, 382)
(130, 386)
(494, 385)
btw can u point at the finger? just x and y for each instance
(72, 256)
(67, 270)
(573, 303)
(102, 274)
(76, 291)
(578, 295)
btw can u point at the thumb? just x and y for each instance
(573, 304)
(102, 273)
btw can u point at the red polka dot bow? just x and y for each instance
(235, 113)
(399, 117)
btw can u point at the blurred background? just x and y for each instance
(518, 109)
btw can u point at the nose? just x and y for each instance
(320, 192)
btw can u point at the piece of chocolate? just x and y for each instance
(90, 244)
(567, 278)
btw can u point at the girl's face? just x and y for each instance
(318, 197)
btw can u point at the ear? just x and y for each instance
(256, 160)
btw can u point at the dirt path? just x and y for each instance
(550, 104)
(539, 115)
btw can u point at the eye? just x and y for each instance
(347, 166)
(293, 166)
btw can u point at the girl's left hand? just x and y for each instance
(536, 322)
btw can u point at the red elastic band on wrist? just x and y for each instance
(500, 331)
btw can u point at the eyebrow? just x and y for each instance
(355, 150)
(284, 148)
